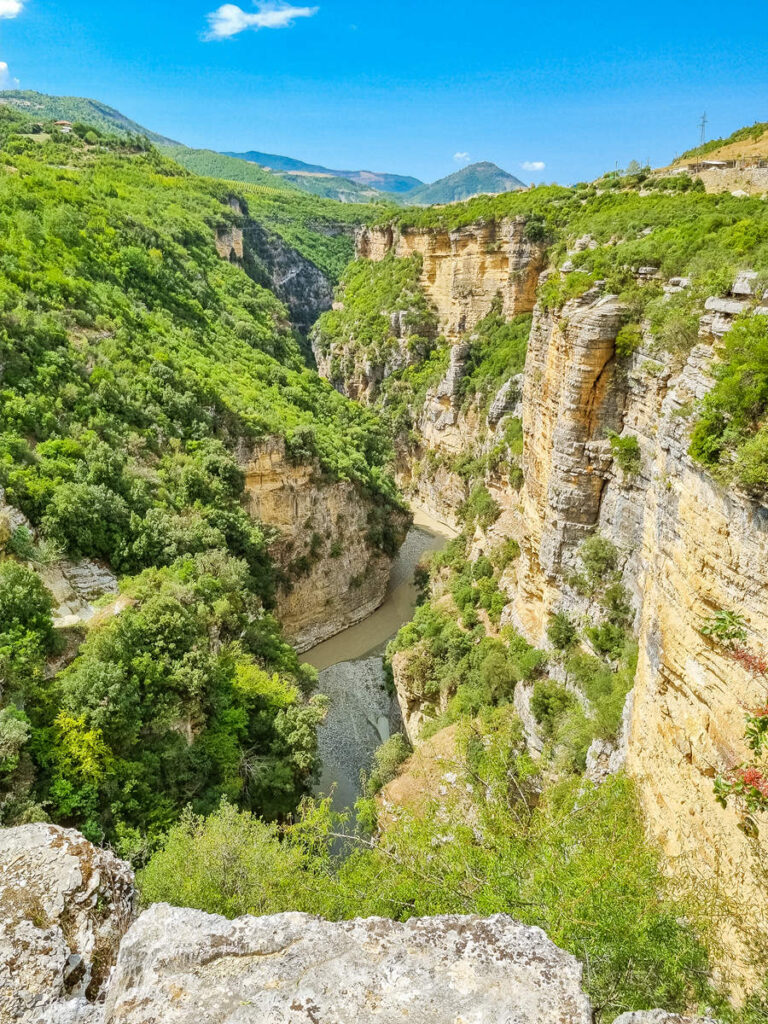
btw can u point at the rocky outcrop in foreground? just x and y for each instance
(186, 967)
(64, 906)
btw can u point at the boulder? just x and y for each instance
(187, 967)
(64, 906)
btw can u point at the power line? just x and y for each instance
(703, 126)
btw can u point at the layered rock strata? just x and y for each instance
(464, 270)
(688, 548)
(335, 576)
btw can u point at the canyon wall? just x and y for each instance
(464, 270)
(334, 576)
(687, 547)
(270, 261)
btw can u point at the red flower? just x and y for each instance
(755, 779)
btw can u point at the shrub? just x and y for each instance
(626, 452)
(628, 340)
(561, 631)
(229, 863)
(549, 702)
(480, 508)
(386, 761)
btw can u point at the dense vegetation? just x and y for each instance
(136, 363)
(573, 862)
(96, 115)
(210, 164)
(731, 436)
(384, 319)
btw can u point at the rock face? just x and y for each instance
(296, 281)
(688, 549)
(464, 270)
(186, 967)
(337, 577)
(271, 262)
(64, 906)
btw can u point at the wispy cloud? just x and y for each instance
(533, 165)
(230, 20)
(11, 8)
(6, 81)
(461, 158)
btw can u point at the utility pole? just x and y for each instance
(703, 135)
(703, 126)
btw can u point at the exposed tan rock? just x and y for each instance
(688, 549)
(345, 577)
(229, 240)
(64, 906)
(464, 270)
(186, 967)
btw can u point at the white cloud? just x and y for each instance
(461, 158)
(11, 8)
(6, 82)
(533, 165)
(229, 20)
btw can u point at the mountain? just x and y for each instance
(231, 168)
(380, 181)
(477, 179)
(77, 108)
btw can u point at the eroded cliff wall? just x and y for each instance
(464, 270)
(335, 576)
(688, 549)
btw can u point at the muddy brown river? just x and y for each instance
(362, 713)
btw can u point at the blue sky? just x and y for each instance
(407, 86)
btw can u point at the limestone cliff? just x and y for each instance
(270, 261)
(294, 279)
(688, 549)
(464, 270)
(335, 575)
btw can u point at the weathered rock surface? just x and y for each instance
(296, 281)
(464, 270)
(186, 967)
(64, 906)
(688, 548)
(337, 577)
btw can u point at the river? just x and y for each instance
(362, 713)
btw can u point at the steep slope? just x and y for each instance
(76, 108)
(474, 180)
(157, 419)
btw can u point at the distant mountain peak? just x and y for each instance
(483, 178)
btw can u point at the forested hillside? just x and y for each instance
(135, 362)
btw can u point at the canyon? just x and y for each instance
(687, 546)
